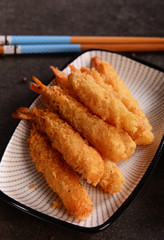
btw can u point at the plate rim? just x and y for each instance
(127, 202)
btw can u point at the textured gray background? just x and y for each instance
(144, 218)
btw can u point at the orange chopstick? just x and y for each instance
(115, 40)
(150, 47)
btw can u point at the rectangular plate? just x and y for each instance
(17, 171)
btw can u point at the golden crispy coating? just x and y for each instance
(112, 179)
(108, 140)
(77, 153)
(111, 120)
(143, 135)
(101, 102)
(133, 108)
(98, 79)
(59, 175)
(145, 138)
(61, 79)
(110, 77)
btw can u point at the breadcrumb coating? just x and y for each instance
(143, 135)
(106, 123)
(77, 153)
(133, 108)
(61, 79)
(108, 140)
(101, 102)
(59, 175)
(112, 179)
(110, 77)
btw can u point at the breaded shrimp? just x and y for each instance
(59, 175)
(101, 102)
(108, 140)
(136, 110)
(99, 80)
(145, 138)
(83, 158)
(62, 81)
(112, 179)
(110, 77)
(143, 135)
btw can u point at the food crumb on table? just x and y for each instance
(133, 55)
(23, 79)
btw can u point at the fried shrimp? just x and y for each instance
(59, 175)
(110, 77)
(101, 102)
(143, 135)
(136, 110)
(83, 158)
(62, 81)
(145, 138)
(112, 179)
(108, 140)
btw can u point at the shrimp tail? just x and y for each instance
(72, 67)
(23, 113)
(59, 75)
(95, 62)
(37, 87)
(62, 81)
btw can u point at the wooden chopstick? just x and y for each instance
(43, 39)
(115, 40)
(150, 47)
(65, 48)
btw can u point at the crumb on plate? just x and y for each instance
(31, 186)
(56, 204)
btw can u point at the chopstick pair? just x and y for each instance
(63, 44)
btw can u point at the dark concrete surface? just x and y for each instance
(144, 218)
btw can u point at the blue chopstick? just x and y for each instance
(39, 49)
(19, 40)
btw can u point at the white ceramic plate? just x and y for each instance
(17, 171)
